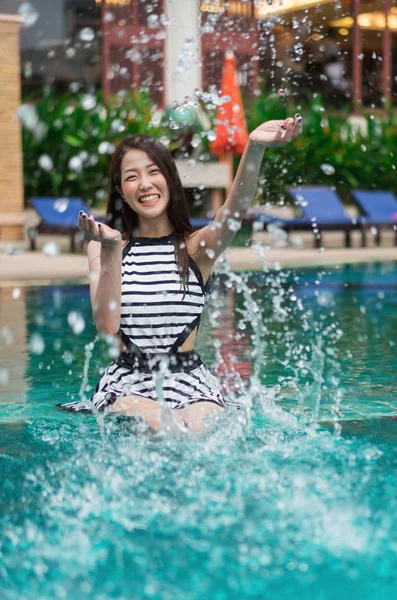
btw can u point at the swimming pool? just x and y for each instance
(267, 504)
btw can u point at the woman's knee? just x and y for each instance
(138, 406)
(200, 417)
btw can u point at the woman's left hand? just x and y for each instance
(277, 133)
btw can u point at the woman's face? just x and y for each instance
(144, 187)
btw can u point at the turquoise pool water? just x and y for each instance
(272, 503)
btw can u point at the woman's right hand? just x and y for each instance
(99, 232)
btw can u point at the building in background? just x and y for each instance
(52, 52)
(169, 48)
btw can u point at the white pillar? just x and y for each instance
(182, 50)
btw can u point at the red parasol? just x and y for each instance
(231, 128)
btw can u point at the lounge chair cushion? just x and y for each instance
(59, 212)
(378, 206)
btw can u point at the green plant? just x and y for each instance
(68, 141)
(330, 151)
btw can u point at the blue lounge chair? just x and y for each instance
(198, 223)
(322, 210)
(380, 211)
(58, 216)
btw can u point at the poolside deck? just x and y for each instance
(36, 267)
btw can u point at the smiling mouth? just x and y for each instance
(152, 199)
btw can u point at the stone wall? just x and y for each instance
(11, 168)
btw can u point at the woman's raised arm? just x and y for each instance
(218, 235)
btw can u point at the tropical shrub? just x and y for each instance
(68, 141)
(331, 150)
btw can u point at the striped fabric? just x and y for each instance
(154, 311)
(156, 316)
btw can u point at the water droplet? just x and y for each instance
(51, 249)
(28, 14)
(207, 28)
(101, 194)
(70, 52)
(112, 305)
(6, 336)
(74, 87)
(165, 20)
(257, 226)
(109, 17)
(4, 378)
(327, 169)
(76, 164)
(152, 21)
(36, 344)
(300, 200)
(76, 322)
(106, 148)
(160, 35)
(45, 162)
(196, 141)
(211, 136)
(87, 34)
(67, 358)
(165, 141)
(88, 101)
(30, 120)
(210, 253)
(61, 205)
(28, 116)
(324, 298)
(117, 125)
(133, 55)
(233, 224)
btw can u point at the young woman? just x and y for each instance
(149, 274)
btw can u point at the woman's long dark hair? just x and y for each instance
(119, 215)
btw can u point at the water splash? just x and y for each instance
(88, 352)
(28, 13)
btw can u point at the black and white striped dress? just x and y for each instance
(157, 316)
